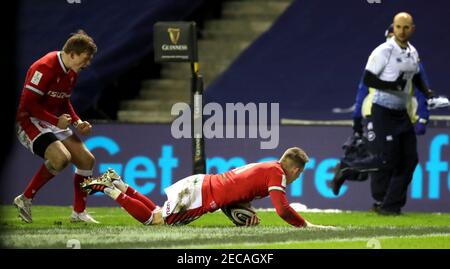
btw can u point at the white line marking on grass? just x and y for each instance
(312, 241)
(299, 207)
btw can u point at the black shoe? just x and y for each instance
(339, 177)
(385, 212)
(375, 206)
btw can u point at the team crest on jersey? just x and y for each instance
(36, 77)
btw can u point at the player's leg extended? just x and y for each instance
(39, 138)
(56, 159)
(134, 207)
(128, 190)
(134, 194)
(84, 162)
(142, 198)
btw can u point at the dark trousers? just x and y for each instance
(392, 139)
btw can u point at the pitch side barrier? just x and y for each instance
(150, 159)
(434, 121)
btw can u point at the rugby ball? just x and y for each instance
(238, 213)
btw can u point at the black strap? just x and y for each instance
(42, 142)
(372, 81)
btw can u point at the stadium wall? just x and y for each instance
(150, 159)
(312, 58)
(122, 31)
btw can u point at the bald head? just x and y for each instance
(403, 28)
(404, 17)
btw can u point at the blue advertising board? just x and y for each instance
(150, 159)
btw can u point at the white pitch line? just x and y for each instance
(314, 240)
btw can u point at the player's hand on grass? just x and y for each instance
(326, 227)
(322, 227)
(84, 128)
(253, 221)
(64, 121)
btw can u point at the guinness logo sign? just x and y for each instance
(174, 35)
(172, 46)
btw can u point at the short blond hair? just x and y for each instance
(296, 155)
(80, 42)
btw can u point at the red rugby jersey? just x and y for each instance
(47, 89)
(249, 182)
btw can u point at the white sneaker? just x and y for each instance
(82, 217)
(112, 175)
(24, 205)
(116, 180)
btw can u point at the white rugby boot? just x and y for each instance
(23, 204)
(82, 217)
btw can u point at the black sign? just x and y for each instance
(175, 42)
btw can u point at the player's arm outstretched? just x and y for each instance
(284, 210)
(288, 214)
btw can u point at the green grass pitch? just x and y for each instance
(359, 230)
